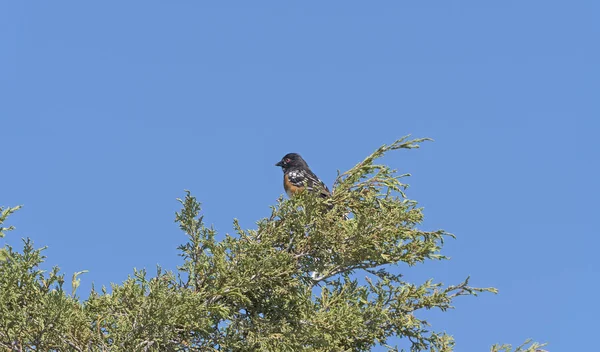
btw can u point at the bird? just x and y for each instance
(298, 176)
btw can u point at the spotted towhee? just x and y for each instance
(297, 176)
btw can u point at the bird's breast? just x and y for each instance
(289, 186)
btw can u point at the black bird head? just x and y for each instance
(291, 160)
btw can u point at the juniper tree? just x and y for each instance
(315, 275)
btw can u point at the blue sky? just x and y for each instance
(111, 109)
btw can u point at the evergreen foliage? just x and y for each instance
(306, 279)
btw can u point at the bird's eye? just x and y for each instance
(287, 160)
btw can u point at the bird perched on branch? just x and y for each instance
(298, 176)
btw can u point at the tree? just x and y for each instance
(306, 278)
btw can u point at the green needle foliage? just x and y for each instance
(313, 276)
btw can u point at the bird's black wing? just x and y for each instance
(306, 178)
(316, 185)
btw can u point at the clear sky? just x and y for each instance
(110, 109)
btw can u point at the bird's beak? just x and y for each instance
(279, 164)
